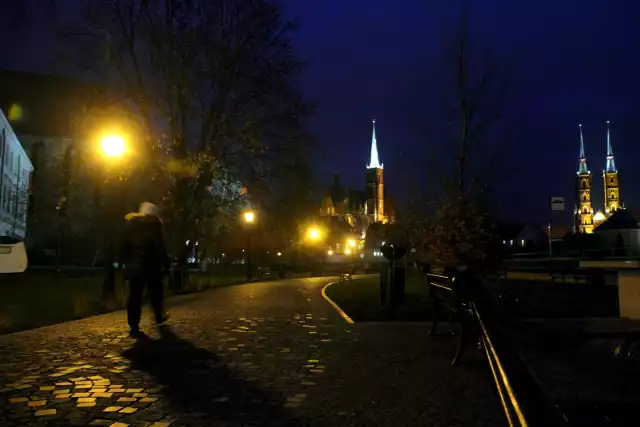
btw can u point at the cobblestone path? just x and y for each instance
(262, 354)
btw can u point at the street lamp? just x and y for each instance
(113, 146)
(249, 217)
(314, 233)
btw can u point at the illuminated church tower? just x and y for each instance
(611, 180)
(374, 207)
(583, 221)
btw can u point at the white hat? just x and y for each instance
(149, 209)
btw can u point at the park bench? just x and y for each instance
(264, 272)
(570, 276)
(447, 301)
(464, 300)
(496, 275)
(348, 275)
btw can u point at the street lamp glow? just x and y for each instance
(314, 233)
(351, 242)
(279, 253)
(249, 217)
(329, 252)
(347, 251)
(113, 146)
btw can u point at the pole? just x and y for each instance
(16, 205)
(248, 255)
(550, 250)
(109, 282)
(3, 150)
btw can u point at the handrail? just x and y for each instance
(524, 402)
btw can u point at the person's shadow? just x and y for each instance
(198, 386)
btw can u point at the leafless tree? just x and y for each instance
(213, 85)
(474, 129)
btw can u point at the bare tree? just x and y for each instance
(475, 126)
(213, 85)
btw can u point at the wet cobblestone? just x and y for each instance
(253, 355)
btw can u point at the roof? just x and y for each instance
(45, 105)
(621, 219)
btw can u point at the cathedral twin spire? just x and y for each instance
(611, 164)
(582, 167)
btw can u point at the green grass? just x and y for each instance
(360, 299)
(41, 298)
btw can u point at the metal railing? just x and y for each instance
(523, 400)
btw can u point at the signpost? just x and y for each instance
(555, 204)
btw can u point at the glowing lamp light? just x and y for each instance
(347, 251)
(351, 242)
(279, 253)
(329, 252)
(249, 217)
(314, 233)
(113, 146)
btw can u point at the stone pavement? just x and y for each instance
(273, 353)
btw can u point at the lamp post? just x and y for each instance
(112, 148)
(249, 218)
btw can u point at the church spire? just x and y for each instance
(374, 162)
(582, 167)
(611, 163)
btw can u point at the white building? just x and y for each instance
(15, 173)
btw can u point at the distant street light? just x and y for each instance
(329, 252)
(351, 243)
(314, 233)
(113, 146)
(249, 218)
(347, 251)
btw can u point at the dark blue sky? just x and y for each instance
(574, 62)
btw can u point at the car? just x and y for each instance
(13, 255)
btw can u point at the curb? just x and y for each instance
(340, 311)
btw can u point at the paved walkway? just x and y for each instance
(260, 354)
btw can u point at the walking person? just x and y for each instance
(143, 255)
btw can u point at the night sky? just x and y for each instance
(574, 62)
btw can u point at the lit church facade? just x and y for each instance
(585, 218)
(356, 210)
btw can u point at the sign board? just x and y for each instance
(557, 203)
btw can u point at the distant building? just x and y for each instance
(15, 175)
(620, 233)
(45, 111)
(586, 219)
(352, 211)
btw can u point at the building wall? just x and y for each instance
(15, 175)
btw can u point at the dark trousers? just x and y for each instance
(136, 289)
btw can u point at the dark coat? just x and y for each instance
(143, 251)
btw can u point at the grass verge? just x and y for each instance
(360, 299)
